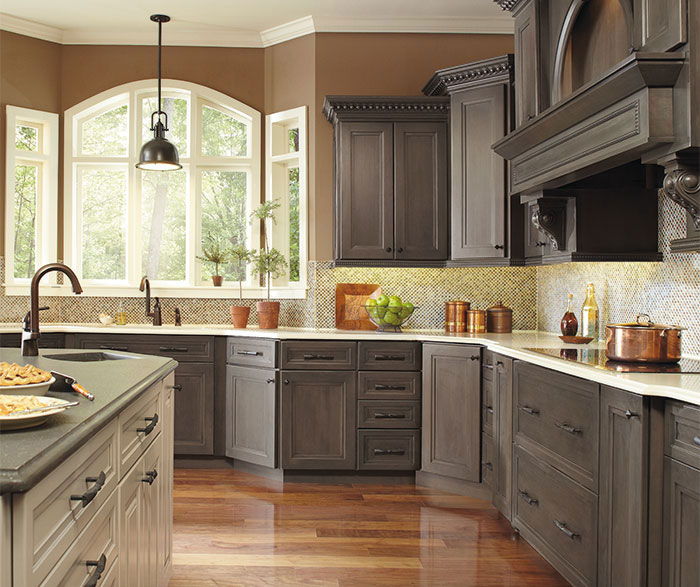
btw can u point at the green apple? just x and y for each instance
(383, 300)
(395, 301)
(406, 311)
(371, 302)
(391, 318)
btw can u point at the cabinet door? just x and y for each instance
(661, 25)
(451, 404)
(420, 163)
(478, 174)
(194, 409)
(318, 419)
(681, 565)
(526, 63)
(250, 415)
(503, 433)
(622, 521)
(365, 207)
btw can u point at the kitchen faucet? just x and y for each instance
(155, 314)
(30, 328)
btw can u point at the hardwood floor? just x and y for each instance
(233, 528)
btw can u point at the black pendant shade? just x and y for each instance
(159, 154)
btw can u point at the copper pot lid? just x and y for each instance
(499, 307)
(644, 322)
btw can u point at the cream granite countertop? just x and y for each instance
(684, 387)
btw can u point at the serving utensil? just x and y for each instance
(45, 408)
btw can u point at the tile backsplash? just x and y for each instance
(668, 292)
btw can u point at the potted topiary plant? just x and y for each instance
(268, 262)
(240, 256)
(214, 252)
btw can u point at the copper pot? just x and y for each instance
(499, 318)
(643, 341)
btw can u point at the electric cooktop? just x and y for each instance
(597, 358)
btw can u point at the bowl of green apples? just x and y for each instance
(389, 313)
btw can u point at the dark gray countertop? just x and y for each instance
(26, 456)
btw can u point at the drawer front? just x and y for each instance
(184, 348)
(251, 352)
(487, 407)
(389, 385)
(683, 433)
(488, 460)
(139, 424)
(319, 354)
(556, 416)
(395, 450)
(388, 414)
(487, 362)
(100, 539)
(47, 519)
(389, 356)
(557, 516)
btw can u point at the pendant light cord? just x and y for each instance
(160, 50)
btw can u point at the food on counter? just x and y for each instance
(388, 311)
(14, 374)
(569, 323)
(10, 404)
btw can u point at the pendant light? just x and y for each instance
(159, 154)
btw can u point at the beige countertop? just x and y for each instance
(684, 387)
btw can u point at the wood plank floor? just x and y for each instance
(233, 528)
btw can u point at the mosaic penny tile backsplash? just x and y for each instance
(669, 292)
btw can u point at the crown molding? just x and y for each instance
(379, 107)
(28, 28)
(172, 37)
(448, 25)
(288, 31)
(475, 74)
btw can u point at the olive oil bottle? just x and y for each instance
(590, 314)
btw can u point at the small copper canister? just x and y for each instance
(476, 320)
(499, 318)
(454, 316)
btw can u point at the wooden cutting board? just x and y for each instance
(350, 313)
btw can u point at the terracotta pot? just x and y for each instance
(268, 314)
(240, 314)
(218, 280)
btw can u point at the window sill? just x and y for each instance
(203, 292)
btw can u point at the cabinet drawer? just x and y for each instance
(389, 356)
(139, 424)
(250, 352)
(319, 354)
(556, 416)
(389, 385)
(683, 433)
(99, 543)
(488, 460)
(388, 414)
(557, 516)
(184, 348)
(47, 520)
(487, 409)
(396, 450)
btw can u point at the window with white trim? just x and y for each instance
(31, 192)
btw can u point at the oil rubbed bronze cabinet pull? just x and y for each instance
(567, 428)
(696, 440)
(249, 353)
(388, 249)
(489, 367)
(382, 387)
(97, 573)
(389, 357)
(148, 429)
(114, 348)
(150, 477)
(382, 416)
(474, 357)
(563, 528)
(269, 380)
(527, 499)
(389, 451)
(177, 387)
(489, 409)
(629, 415)
(91, 493)
(529, 410)
(488, 466)
(174, 349)
(498, 247)
(318, 357)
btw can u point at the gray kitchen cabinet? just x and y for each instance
(318, 419)
(194, 409)
(47, 340)
(451, 415)
(526, 61)
(251, 415)
(502, 433)
(662, 24)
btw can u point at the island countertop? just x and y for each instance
(26, 456)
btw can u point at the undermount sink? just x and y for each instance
(87, 357)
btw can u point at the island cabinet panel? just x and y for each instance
(526, 62)
(251, 415)
(181, 347)
(318, 419)
(194, 409)
(623, 497)
(451, 410)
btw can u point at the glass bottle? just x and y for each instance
(569, 323)
(121, 315)
(590, 314)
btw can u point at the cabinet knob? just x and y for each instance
(629, 414)
(474, 357)
(540, 244)
(498, 247)
(530, 116)
(286, 381)
(272, 381)
(399, 250)
(388, 249)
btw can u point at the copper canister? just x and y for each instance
(454, 316)
(499, 318)
(476, 320)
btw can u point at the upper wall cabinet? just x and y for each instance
(485, 225)
(390, 179)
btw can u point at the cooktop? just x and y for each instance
(596, 358)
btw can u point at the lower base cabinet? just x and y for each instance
(194, 409)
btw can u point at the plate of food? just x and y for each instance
(24, 379)
(13, 406)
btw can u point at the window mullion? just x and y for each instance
(133, 242)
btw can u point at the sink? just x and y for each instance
(87, 357)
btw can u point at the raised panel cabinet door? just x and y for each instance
(365, 207)
(319, 419)
(478, 174)
(451, 410)
(420, 207)
(623, 496)
(503, 434)
(661, 25)
(526, 63)
(681, 564)
(250, 415)
(194, 409)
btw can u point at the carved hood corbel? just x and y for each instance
(682, 185)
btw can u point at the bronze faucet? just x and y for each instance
(155, 314)
(30, 331)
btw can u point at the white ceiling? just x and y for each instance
(242, 23)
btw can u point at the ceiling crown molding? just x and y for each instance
(453, 25)
(288, 31)
(378, 107)
(28, 28)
